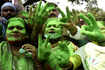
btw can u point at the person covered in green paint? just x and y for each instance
(16, 53)
(56, 49)
(71, 20)
(92, 54)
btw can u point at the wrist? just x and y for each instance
(73, 30)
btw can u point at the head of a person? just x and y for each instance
(8, 10)
(53, 28)
(17, 29)
(54, 12)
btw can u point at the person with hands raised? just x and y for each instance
(17, 38)
(57, 50)
(92, 54)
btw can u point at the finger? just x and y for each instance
(87, 21)
(49, 46)
(44, 8)
(34, 12)
(39, 45)
(84, 28)
(38, 7)
(87, 33)
(39, 41)
(30, 11)
(61, 12)
(75, 16)
(68, 12)
(46, 41)
(92, 19)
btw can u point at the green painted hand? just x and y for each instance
(44, 49)
(59, 56)
(70, 19)
(28, 50)
(40, 13)
(65, 17)
(93, 30)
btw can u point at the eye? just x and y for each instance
(49, 26)
(5, 10)
(20, 28)
(10, 28)
(54, 26)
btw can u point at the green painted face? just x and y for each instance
(53, 29)
(15, 30)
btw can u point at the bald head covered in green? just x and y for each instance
(16, 29)
(53, 28)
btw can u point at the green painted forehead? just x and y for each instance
(53, 20)
(15, 19)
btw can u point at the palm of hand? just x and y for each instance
(91, 30)
(59, 55)
(44, 49)
(40, 13)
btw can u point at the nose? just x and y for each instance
(52, 27)
(9, 12)
(15, 30)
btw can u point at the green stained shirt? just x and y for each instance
(10, 62)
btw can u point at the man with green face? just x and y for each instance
(15, 30)
(15, 51)
(53, 28)
(56, 49)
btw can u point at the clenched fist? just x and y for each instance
(28, 50)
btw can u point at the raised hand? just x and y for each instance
(70, 19)
(40, 13)
(38, 18)
(92, 30)
(65, 17)
(44, 49)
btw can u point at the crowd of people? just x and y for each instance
(39, 39)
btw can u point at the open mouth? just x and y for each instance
(51, 32)
(16, 35)
(52, 15)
